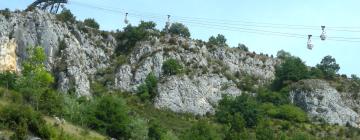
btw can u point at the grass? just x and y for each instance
(73, 131)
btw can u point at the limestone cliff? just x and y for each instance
(8, 55)
(75, 56)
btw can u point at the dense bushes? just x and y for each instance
(219, 40)
(292, 69)
(8, 79)
(6, 13)
(132, 34)
(244, 104)
(179, 29)
(66, 16)
(22, 120)
(202, 131)
(148, 90)
(110, 115)
(172, 67)
(90, 22)
(328, 66)
(243, 47)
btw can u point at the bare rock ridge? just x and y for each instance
(75, 56)
(207, 79)
(80, 59)
(321, 101)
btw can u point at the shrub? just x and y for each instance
(66, 16)
(156, 131)
(243, 47)
(292, 69)
(328, 66)
(90, 22)
(110, 116)
(179, 29)
(6, 13)
(202, 131)
(244, 104)
(219, 40)
(148, 90)
(172, 67)
(291, 113)
(35, 78)
(8, 79)
(132, 34)
(23, 119)
(277, 98)
(51, 103)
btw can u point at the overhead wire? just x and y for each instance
(230, 25)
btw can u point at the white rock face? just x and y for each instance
(197, 96)
(320, 100)
(81, 58)
(7, 54)
(199, 90)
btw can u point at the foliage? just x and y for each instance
(179, 29)
(219, 40)
(244, 104)
(292, 69)
(132, 34)
(315, 73)
(148, 90)
(277, 98)
(243, 47)
(35, 78)
(156, 131)
(110, 116)
(6, 13)
(172, 67)
(66, 16)
(328, 66)
(51, 103)
(7, 79)
(23, 119)
(283, 54)
(202, 131)
(291, 113)
(90, 22)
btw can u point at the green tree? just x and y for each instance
(51, 103)
(179, 29)
(172, 67)
(243, 47)
(35, 78)
(90, 22)
(219, 40)
(110, 116)
(283, 54)
(132, 34)
(328, 66)
(8, 79)
(23, 119)
(244, 104)
(148, 90)
(66, 16)
(156, 131)
(202, 131)
(291, 70)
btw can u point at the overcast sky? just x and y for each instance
(210, 17)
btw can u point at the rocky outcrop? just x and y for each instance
(209, 73)
(83, 55)
(198, 95)
(321, 101)
(76, 53)
(8, 55)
